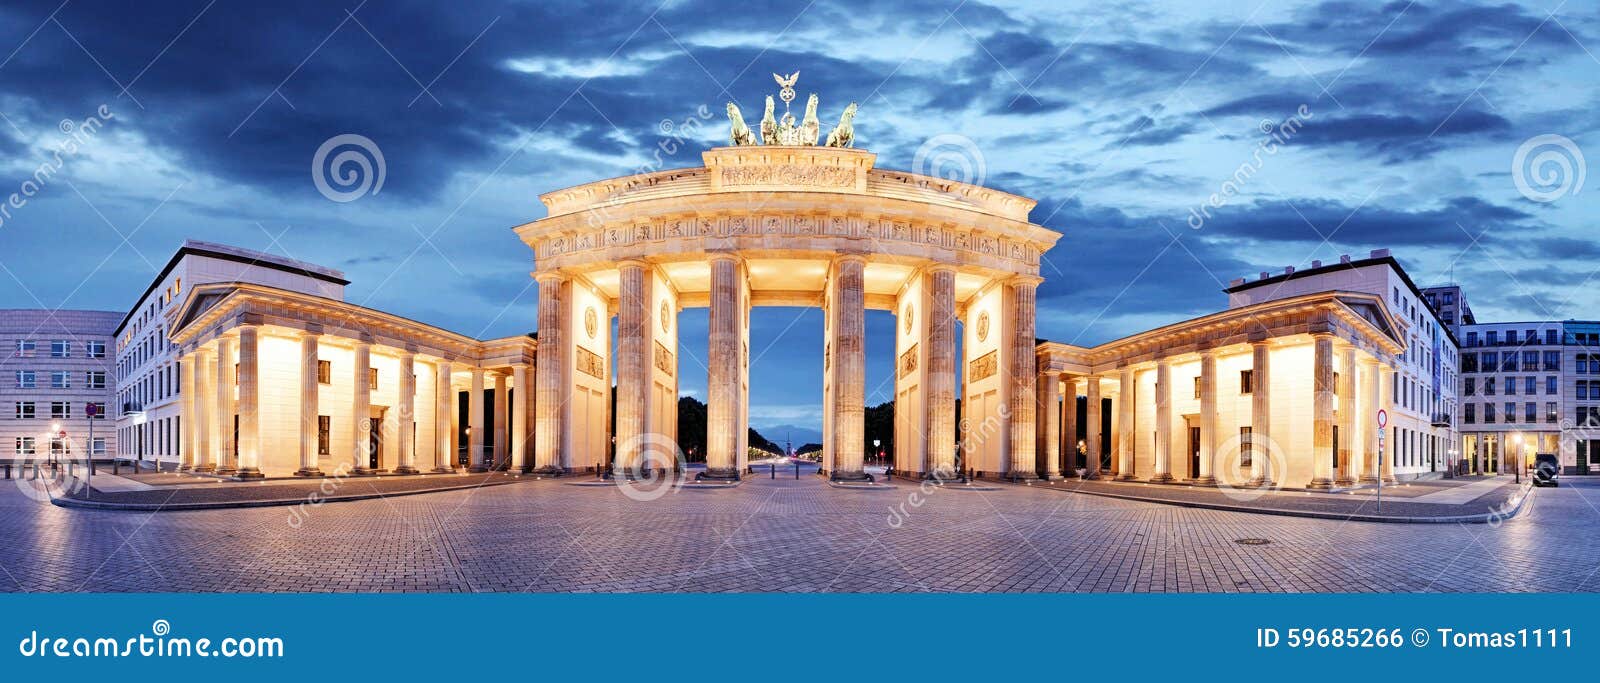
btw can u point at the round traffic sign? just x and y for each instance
(1383, 418)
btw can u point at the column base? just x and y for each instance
(1162, 478)
(718, 474)
(1344, 482)
(1368, 479)
(1092, 475)
(1126, 476)
(407, 469)
(249, 473)
(364, 472)
(1261, 483)
(1203, 481)
(1321, 484)
(308, 472)
(443, 470)
(548, 471)
(1020, 476)
(225, 471)
(1053, 476)
(186, 468)
(202, 469)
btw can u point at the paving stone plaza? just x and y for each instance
(795, 535)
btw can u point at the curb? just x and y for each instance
(1481, 518)
(272, 502)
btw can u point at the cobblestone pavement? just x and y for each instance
(785, 535)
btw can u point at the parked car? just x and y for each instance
(1546, 469)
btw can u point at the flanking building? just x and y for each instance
(1526, 388)
(56, 384)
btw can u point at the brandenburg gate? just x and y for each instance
(785, 223)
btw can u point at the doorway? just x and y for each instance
(1194, 452)
(374, 441)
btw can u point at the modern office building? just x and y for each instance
(1580, 389)
(1450, 303)
(149, 415)
(57, 383)
(1514, 389)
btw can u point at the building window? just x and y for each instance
(1530, 413)
(1247, 382)
(1511, 386)
(98, 447)
(324, 372)
(1196, 385)
(60, 379)
(60, 446)
(1530, 361)
(1470, 415)
(1469, 362)
(95, 410)
(1246, 446)
(1472, 339)
(1491, 338)
(1509, 364)
(95, 349)
(1550, 412)
(1530, 385)
(372, 381)
(95, 379)
(27, 348)
(1511, 412)
(25, 410)
(60, 348)
(25, 445)
(1488, 413)
(1550, 384)
(26, 379)
(324, 426)
(1469, 386)
(1552, 361)
(1491, 360)
(60, 410)
(1488, 386)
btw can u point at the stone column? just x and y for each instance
(940, 396)
(633, 366)
(1069, 424)
(502, 422)
(1093, 436)
(1022, 376)
(1163, 460)
(249, 402)
(225, 411)
(360, 454)
(1348, 438)
(1261, 415)
(204, 405)
(1386, 380)
(1208, 419)
(475, 420)
(1049, 411)
(310, 391)
(1125, 418)
(407, 416)
(1370, 400)
(551, 361)
(848, 316)
(519, 419)
(444, 424)
(1322, 412)
(722, 368)
(190, 446)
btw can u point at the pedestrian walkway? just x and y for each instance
(1465, 493)
(111, 483)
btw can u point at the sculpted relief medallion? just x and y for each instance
(983, 326)
(591, 322)
(908, 314)
(666, 317)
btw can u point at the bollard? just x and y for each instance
(116, 466)
(772, 470)
(797, 469)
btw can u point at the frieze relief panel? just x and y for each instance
(664, 360)
(788, 174)
(982, 367)
(908, 362)
(589, 363)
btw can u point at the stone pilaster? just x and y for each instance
(1163, 459)
(1348, 405)
(1048, 409)
(1069, 424)
(310, 392)
(249, 402)
(1208, 419)
(1093, 435)
(849, 367)
(406, 417)
(502, 422)
(189, 448)
(634, 369)
(519, 419)
(1023, 375)
(1126, 394)
(360, 446)
(475, 423)
(1386, 380)
(225, 412)
(941, 376)
(1261, 415)
(722, 368)
(1322, 412)
(1372, 398)
(205, 404)
(444, 423)
(550, 378)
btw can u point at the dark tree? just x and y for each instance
(692, 428)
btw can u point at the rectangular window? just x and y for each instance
(25, 445)
(1552, 361)
(1511, 412)
(372, 381)
(1550, 412)
(1470, 415)
(26, 379)
(1550, 384)
(1469, 362)
(1530, 413)
(1511, 386)
(99, 446)
(1530, 385)
(1491, 338)
(1509, 364)
(1550, 337)
(1246, 446)
(1530, 361)
(1469, 386)
(1488, 413)
(60, 348)
(60, 410)
(25, 410)
(324, 372)
(1472, 339)
(1491, 360)
(95, 379)
(1247, 382)
(27, 348)
(1488, 386)
(95, 349)
(1511, 337)
(59, 446)
(324, 426)
(60, 379)
(1196, 385)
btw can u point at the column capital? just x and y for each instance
(940, 268)
(722, 255)
(550, 276)
(1209, 352)
(632, 263)
(1024, 280)
(1257, 343)
(850, 257)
